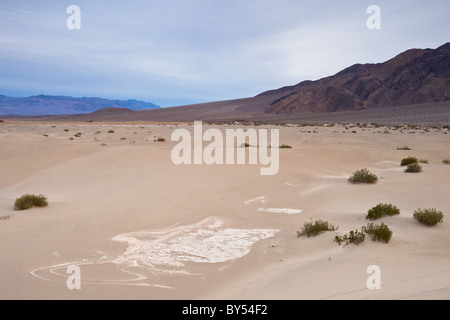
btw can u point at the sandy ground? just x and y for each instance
(140, 227)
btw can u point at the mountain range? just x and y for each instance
(61, 105)
(417, 79)
(412, 77)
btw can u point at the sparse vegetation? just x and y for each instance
(66, 130)
(78, 135)
(353, 237)
(381, 210)
(404, 148)
(413, 168)
(312, 229)
(123, 138)
(408, 160)
(45, 135)
(160, 139)
(111, 131)
(71, 138)
(378, 232)
(424, 161)
(446, 161)
(285, 146)
(363, 176)
(428, 217)
(104, 145)
(28, 201)
(7, 217)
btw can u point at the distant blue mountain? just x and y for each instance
(61, 105)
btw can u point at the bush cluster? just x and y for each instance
(29, 201)
(382, 210)
(312, 229)
(363, 176)
(428, 217)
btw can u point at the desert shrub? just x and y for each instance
(45, 135)
(424, 161)
(123, 138)
(404, 148)
(66, 130)
(78, 135)
(381, 210)
(354, 237)
(408, 160)
(104, 145)
(28, 201)
(160, 139)
(312, 229)
(111, 131)
(414, 168)
(363, 176)
(428, 217)
(446, 161)
(378, 232)
(285, 146)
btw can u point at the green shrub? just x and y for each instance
(404, 148)
(381, 210)
(312, 229)
(111, 131)
(363, 176)
(160, 139)
(408, 160)
(285, 146)
(78, 135)
(379, 232)
(28, 201)
(414, 168)
(424, 161)
(355, 237)
(446, 161)
(428, 217)
(66, 130)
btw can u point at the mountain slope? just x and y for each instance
(60, 105)
(412, 77)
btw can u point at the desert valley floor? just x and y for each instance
(140, 227)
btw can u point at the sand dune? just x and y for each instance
(140, 227)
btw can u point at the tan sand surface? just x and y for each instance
(140, 227)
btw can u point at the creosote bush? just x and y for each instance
(379, 232)
(29, 201)
(363, 176)
(312, 229)
(381, 210)
(408, 160)
(413, 168)
(354, 237)
(428, 217)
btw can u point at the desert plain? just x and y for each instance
(140, 227)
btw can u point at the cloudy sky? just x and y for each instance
(175, 52)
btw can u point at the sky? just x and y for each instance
(178, 52)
